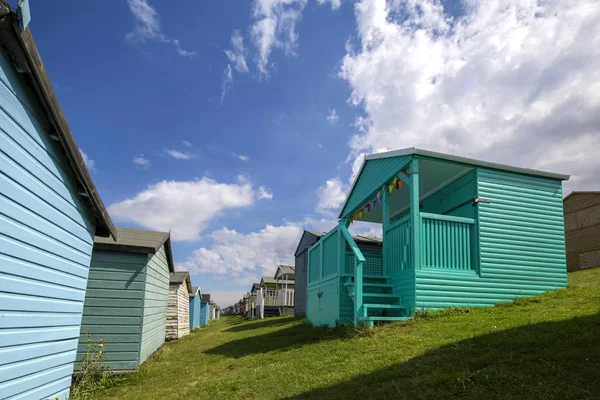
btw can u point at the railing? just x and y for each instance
(270, 298)
(397, 246)
(286, 297)
(359, 260)
(447, 241)
(327, 260)
(373, 265)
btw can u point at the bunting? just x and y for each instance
(397, 183)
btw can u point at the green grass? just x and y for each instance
(544, 347)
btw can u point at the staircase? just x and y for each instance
(272, 311)
(380, 302)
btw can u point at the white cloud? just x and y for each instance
(89, 163)
(243, 158)
(185, 207)
(335, 4)
(274, 26)
(179, 155)
(237, 55)
(227, 82)
(246, 256)
(264, 193)
(147, 27)
(332, 117)
(141, 162)
(512, 81)
(187, 144)
(331, 196)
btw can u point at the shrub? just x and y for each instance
(92, 374)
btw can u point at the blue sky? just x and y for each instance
(236, 124)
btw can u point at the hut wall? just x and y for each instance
(46, 240)
(113, 307)
(183, 311)
(155, 304)
(582, 230)
(301, 266)
(172, 329)
(204, 314)
(194, 312)
(521, 245)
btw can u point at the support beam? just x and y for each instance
(385, 224)
(415, 215)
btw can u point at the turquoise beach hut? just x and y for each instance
(204, 309)
(127, 296)
(50, 212)
(195, 307)
(456, 232)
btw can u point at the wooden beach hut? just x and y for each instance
(456, 232)
(582, 230)
(204, 309)
(50, 212)
(127, 296)
(178, 310)
(368, 245)
(195, 307)
(284, 284)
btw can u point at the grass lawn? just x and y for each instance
(545, 347)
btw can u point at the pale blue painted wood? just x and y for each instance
(46, 239)
(204, 308)
(195, 311)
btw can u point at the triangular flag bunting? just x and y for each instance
(399, 184)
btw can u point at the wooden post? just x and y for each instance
(415, 215)
(385, 223)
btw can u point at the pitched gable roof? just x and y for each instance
(195, 291)
(137, 241)
(180, 277)
(284, 270)
(392, 168)
(205, 298)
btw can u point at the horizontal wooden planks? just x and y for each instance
(521, 245)
(113, 306)
(46, 239)
(155, 304)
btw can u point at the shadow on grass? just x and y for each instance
(247, 325)
(541, 361)
(286, 339)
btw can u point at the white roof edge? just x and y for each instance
(362, 165)
(427, 153)
(466, 160)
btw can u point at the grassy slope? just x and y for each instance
(540, 348)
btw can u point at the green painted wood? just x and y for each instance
(155, 304)
(113, 306)
(446, 242)
(520, 245)
(415, 217)
(373, 175)
(385, 224)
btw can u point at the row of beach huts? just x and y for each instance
(455, 232)
(65, 269)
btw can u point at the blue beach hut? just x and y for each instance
(50, 212)
(204, 309)
(195, 307)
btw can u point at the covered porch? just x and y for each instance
(426, 209)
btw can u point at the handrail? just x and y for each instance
(398, 222)
(449, 218)
(359, 259)
(352, 244)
